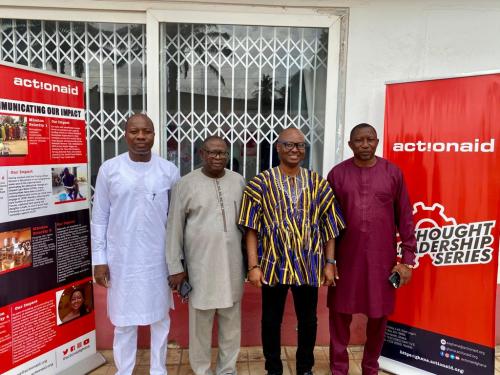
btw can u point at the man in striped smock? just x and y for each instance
(291, 220)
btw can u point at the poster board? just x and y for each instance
(443, 134)
(47, 322)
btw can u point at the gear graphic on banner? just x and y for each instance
(447, 242)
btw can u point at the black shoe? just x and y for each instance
(274, 373)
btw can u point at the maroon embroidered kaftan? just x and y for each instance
(376, 205)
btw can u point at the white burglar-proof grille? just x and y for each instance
(246, 84)
(109, 57)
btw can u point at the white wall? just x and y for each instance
(406, 40)
(387, 40)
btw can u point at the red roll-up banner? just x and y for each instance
(443, 134)
(47, 323)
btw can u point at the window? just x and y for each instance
(246, 84)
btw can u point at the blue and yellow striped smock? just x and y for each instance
(294, 218)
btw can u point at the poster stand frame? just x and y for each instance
(438, 77)
(85, 366)
(95, 360)
(396, 367)
(385, 363)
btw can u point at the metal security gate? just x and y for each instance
(207, 72)
(244, 83)
(110, 57)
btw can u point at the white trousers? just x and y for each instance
(125, 348)
(200, 339)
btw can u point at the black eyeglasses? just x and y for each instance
(217, 154)
(290, 145)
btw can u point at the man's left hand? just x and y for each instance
(330, 273)
(404, 271)
(175, 281)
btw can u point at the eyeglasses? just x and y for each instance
(290, 145)
(217, 154)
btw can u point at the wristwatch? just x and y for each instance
(330, 261)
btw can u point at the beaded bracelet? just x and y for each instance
(253, 267)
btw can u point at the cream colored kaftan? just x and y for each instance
(203, 220)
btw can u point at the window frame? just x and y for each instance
(335, 20)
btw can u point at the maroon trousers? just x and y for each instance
(339, 340)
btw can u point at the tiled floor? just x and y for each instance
(250, 361)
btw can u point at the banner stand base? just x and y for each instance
(397, 367)
(85, 366)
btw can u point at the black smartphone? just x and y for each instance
(395, 279)
(185, 289)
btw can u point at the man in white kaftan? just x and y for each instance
(128, 244)
(202, 224)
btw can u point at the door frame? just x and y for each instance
(335, 19)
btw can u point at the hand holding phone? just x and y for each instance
(184, 289)
(395, 279)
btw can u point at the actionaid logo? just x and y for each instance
(447, 242)
(77, 346)
(421, 146)
(47, 86)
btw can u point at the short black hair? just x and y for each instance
(361, 126)
(213, 138)
(144, 116)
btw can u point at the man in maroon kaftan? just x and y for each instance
(373, 197)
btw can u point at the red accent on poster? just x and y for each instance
(444, 135)
(41, 118)
(33, 326)
(40, 87)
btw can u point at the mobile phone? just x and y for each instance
(395, 279)
(185, 289)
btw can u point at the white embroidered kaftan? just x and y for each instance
(128, 233)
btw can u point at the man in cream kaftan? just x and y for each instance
(202, 223)
(128, 242)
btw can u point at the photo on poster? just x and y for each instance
(15, 250)
(13, 135)
(69, 183)
(74, 302)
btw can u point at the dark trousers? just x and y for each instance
(339, 340)
(305, 300)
